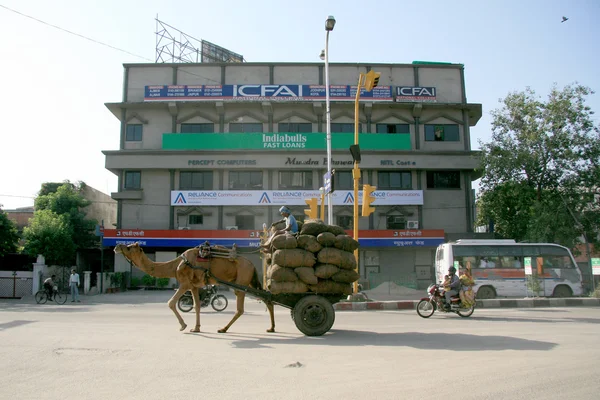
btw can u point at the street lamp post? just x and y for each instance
(329, 24)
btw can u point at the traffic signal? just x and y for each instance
(313, 211)
(371, 80)
(367, 200)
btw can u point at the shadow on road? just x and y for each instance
(417, 340)
(557, 320)
(13, 324)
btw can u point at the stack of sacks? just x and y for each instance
(319, 259)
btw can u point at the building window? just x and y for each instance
(337, 127)
(195, 219)
(343, 180)
(442, 133)
(244, 222)
(345, 221)
(295, 127)
(395, 222)
(133, 180)
(245, 180)
(393, 128)
(197, 128)
(196, 180)
(133, 133)
(394, 180)
(246, 127)
(443, 180)
(295, 180)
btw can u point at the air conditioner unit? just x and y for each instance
(231, 228)
(184, 228)
(412, 224)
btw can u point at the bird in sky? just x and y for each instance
(564, 19)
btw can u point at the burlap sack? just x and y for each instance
(294, 258)
(336, 230)
(328, 286)
(331, 255)
(327, 239)
(325, 271)
(281, 274)
(309, 243)
(313, 227)
(346, 243)
(286, 287)
(345, 276)
(306, 275)
(285, 241)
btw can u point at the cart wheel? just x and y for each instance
(313, 315)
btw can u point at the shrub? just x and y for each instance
(148, 280)
(162, 282)
(135, 281)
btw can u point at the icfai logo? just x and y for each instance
(180, 199)
(349, 199)
(264, 198)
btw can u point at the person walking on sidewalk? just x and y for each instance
(74, 283)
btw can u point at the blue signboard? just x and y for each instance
(327, 182)
(262, 93)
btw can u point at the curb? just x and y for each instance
(495, 303)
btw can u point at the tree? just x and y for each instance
(51, 235)
(8, 235)
(541, 168)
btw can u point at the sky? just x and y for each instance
(54, 125)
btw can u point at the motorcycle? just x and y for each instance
(436, 300)
(208, 295)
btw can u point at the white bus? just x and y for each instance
(498, 268)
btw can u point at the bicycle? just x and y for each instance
(41, 297)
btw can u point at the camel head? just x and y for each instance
(131, 252)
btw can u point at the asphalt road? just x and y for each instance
(128, 346)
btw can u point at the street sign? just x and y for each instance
(327, 182)
(596, 266)
(528, 266)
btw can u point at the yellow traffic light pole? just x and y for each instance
(368, 81)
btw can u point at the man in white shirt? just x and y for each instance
(74, 283)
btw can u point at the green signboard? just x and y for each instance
(282, 141)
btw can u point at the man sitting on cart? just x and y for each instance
(291, 226)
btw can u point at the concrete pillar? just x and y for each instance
(86, 281)
(39, 267)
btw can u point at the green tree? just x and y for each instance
(8, 235)
(50, 234)
(541, 168)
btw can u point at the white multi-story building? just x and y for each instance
(211, 151)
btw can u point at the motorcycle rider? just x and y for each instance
(453, 287)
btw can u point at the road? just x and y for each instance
(128, 346)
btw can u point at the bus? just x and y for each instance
(498, 267)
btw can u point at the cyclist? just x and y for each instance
(49, 286)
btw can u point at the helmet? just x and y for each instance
(284, 209)
(452, 270)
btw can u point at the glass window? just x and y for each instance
(134, 133)
(295, 127)
(295, 180)
(343, 127)
(198, 128)
(245, 180)
(393, 128)
(195, 180)
(195, 219)
(443, 180)
(244, 222)
(395, 222)
(133, 180)
(394, 180)
(442, 133)
(345, 221)
(245, 127)
(343, 180)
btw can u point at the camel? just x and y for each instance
(240, 271)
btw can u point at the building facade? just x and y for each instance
(211, 151)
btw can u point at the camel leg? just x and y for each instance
(240, 310)
(197, 309)
(173, 305)
(271, 314)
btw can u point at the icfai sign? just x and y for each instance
(419, 93)
(267, 91)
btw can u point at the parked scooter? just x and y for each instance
(437, 301)
(208, 295)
